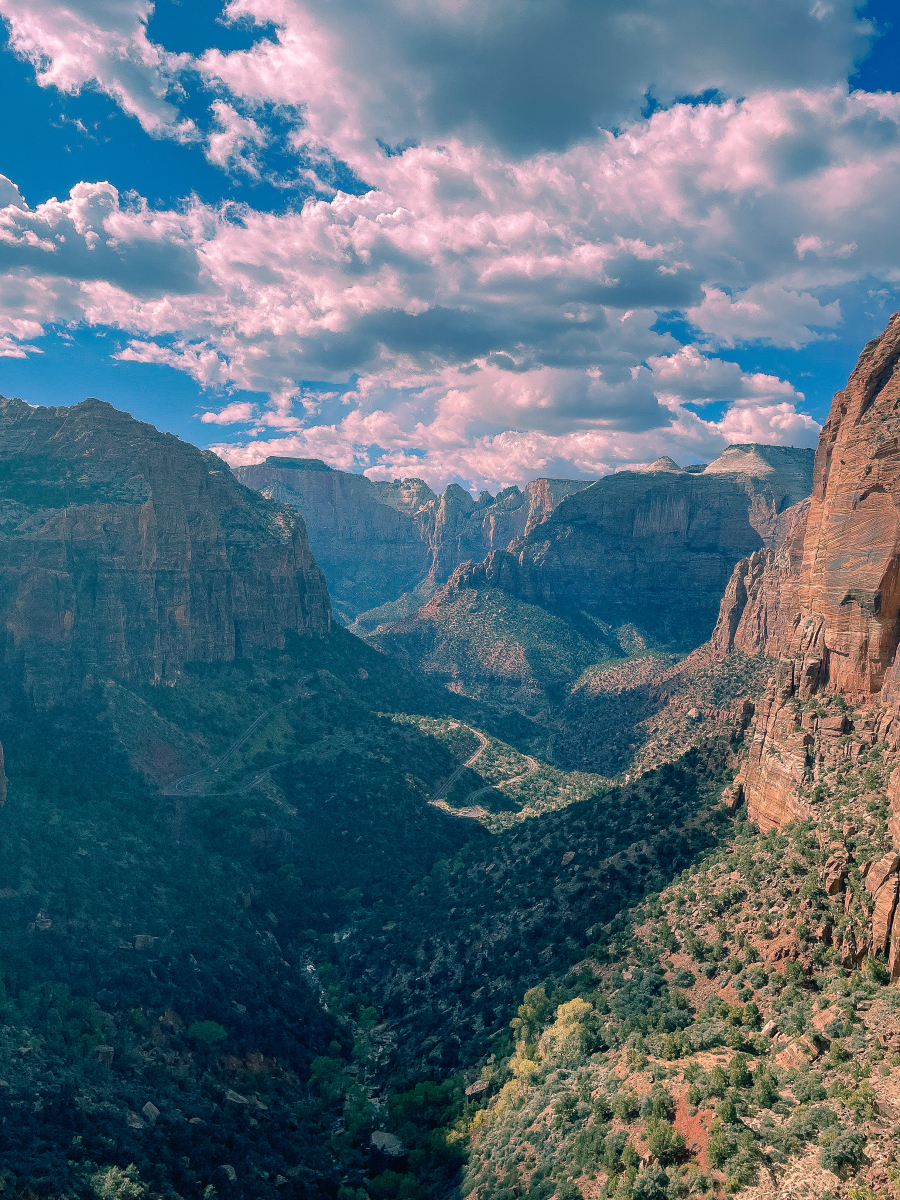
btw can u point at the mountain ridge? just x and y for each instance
(127, 553)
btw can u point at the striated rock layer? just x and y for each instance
(826, 607)
(653, 547)
(125, 553)
(376, 540)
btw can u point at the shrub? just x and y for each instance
(845, 1151)
(721, 1145)
(651, 1184)
(837, 1054)
(878, 972)
(807, 1087)
(659, 1104)
(765, 1090)
(717, 1081)
(209, 1033)
(117, 1184)
(613, 1145)
(738, 1074)
(627, 1105)
(665, 1142)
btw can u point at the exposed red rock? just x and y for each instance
(376, 540)
(831, 618)
(879, 872)
(883, 915)
(762, 589)
(126, 553)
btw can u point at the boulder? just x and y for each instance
(386, 1153)
(879, 872)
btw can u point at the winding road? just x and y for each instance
(467, 809)
(191, 785)
(468, 763)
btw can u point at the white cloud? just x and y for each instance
(238, 412)
(104, 43)
(236, 141)
(526, 77)
(768, 313)
(497, 460)
(493, 307)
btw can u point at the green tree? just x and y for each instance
(665, 1142)
(532, 1013)
(116, 1183)
(845, 1151)
(738, 1074)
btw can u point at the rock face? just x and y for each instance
(654, 547)
(825, 606)
(763, 589)
(125, 553)
(829, 613)
(377, 540)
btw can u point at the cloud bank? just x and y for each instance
(487, 307)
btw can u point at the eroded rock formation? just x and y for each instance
(376, 540)
(826, 606)
(125, 553)
(655, 547)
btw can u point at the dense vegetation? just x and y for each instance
(225, 990)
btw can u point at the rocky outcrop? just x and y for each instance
(369, 549)
(376, 540)
(653, 547)
(762, 592)
(126, 553)
(829, 615)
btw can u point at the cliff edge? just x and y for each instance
(125, 553)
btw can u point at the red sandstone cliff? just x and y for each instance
(125, 553)
(830, 616)
(653, 547)
(376, 540)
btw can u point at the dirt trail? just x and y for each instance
(447, 787)
(533, 766)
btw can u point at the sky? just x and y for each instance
(474, 241)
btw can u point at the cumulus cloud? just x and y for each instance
(497, 460)
(238, 412)
(526, 77)
(91, 236)
(769, 313)
(492, 300)
(103, 43)
(236, 140)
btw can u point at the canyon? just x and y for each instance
(560, 860)
(379, 541)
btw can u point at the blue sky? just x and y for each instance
(470, 241)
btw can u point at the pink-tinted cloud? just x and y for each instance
(479, 301)
(103, 43)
